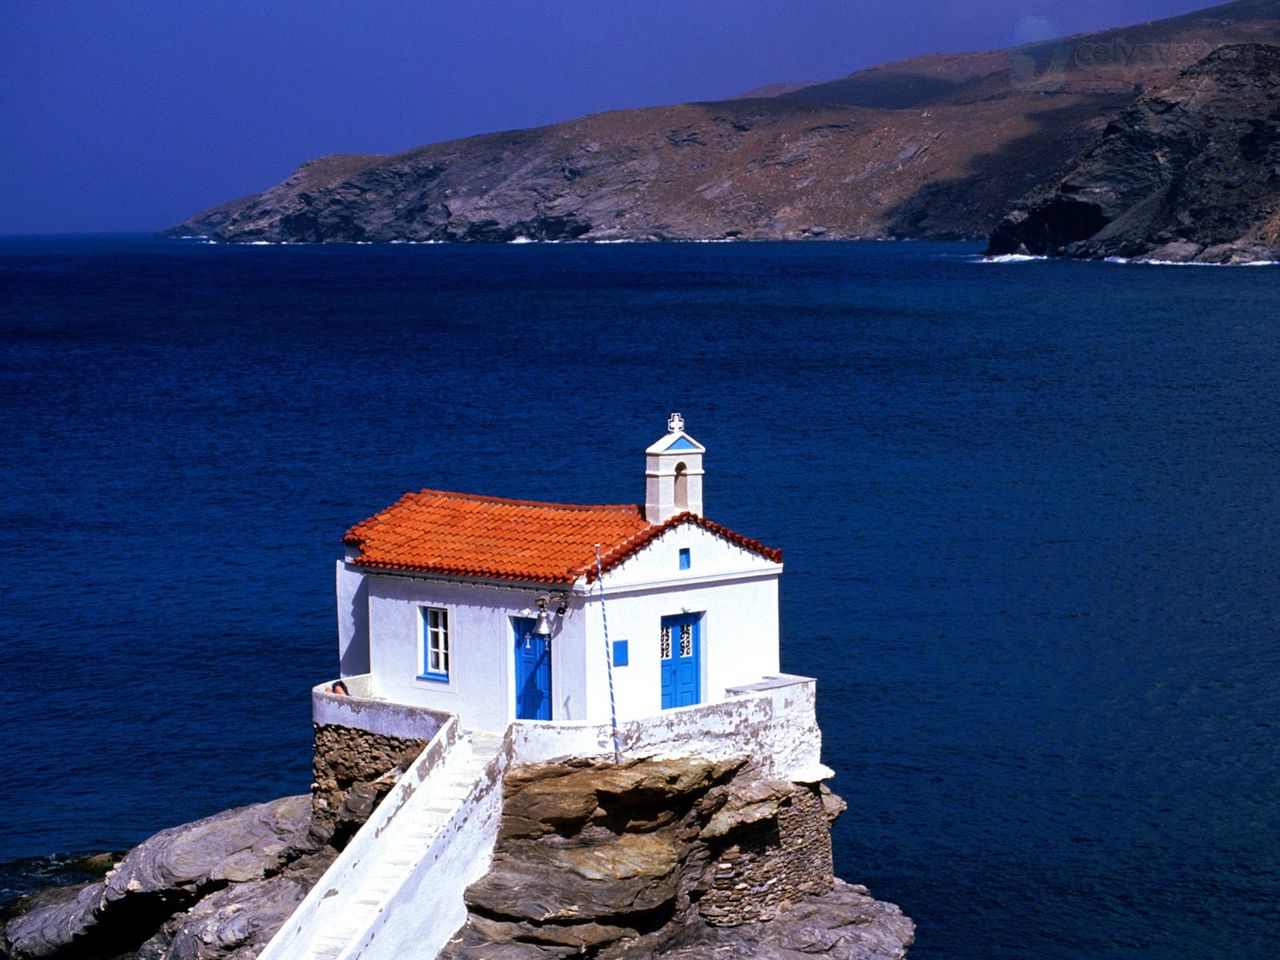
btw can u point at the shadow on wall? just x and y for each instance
(355, 658)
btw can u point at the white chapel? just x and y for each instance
(498, 610)
(491, 633)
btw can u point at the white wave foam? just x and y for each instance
(1009, 258)
(1194, 263)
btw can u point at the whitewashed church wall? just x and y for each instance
(772, 722)
(481, 684)
(709, 556)
(739, 640)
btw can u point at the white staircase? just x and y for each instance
(443, 812)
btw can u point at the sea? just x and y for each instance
(1030, 516)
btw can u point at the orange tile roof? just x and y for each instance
(464, 535)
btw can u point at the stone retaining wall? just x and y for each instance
(774, 862)
(352, 770)
(362, 747)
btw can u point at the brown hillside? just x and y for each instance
(936, 146)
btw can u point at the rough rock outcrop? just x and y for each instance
(843, 924)
(935, 146)
(218, 887)
(1189, 173)
(669, 858)
(654, 858)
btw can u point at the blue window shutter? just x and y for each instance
(620, 657)
(685, 560)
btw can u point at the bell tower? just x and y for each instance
(673, 474)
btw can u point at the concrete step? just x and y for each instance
(406, 842)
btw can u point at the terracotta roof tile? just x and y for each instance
(464, 535)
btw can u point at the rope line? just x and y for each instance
(608, 662)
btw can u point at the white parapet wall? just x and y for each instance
(428, 908)
(324, 906)
(772, 721)
(359, 710)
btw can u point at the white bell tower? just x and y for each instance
(673, 474)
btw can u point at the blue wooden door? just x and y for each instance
(533, 672)
(681, 652)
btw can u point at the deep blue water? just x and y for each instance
(1030, 516)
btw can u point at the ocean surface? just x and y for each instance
(1030, 515)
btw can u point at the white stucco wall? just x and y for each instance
(428, 908)
(481, 685)
(322, 908)
(734, 589)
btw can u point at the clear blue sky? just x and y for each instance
(134, 114)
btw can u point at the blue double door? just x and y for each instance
(680, 649)
(533, 671)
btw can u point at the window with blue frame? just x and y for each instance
(685, 560)
(435, 643)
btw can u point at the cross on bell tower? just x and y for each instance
(673, 474)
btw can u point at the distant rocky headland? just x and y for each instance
(1191, 172)
(940, 146)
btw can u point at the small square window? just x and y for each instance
(620, 654)
(435, 644)
(684, 558)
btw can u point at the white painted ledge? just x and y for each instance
(374, 715)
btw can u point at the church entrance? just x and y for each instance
(681, 652)
(533, 671)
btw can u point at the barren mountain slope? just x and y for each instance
(937, 146)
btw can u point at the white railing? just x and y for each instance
(427, 907)
(327, 899)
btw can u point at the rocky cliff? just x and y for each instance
(937, 146)
(679, 859)
(1190, 172)
(669, 858)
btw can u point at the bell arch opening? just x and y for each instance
(682, 487)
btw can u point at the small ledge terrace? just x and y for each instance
(772, 721)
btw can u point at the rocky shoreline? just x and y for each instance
(218, 887)
(1186, 175)
(678, 859)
